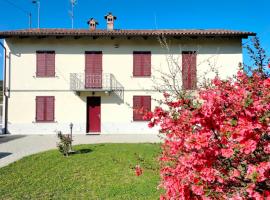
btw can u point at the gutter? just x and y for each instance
(5, 89)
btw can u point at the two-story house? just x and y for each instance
(93, 78)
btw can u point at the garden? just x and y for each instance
(216, 146)
(103, 171)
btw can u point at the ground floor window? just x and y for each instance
(141, 104)
(44, 108)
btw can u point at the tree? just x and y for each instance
(258, 56)
(171, 79)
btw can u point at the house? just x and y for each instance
(92, 78)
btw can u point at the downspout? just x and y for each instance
(5, 90)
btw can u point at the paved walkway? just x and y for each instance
(15, 147)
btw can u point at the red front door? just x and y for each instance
(93, 114)
(93, 69)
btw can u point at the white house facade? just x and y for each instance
(93, 78)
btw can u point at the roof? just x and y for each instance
(128, 33)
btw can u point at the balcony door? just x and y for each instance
(93, 69)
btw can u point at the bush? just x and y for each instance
(64, 146)
(217, 145)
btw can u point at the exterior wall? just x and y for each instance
(116, 114)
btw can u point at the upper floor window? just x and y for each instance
(141, 104)
(45, 63)
(189, 71)
(45, 108)
(141, 63)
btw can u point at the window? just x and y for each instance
(189, 79)
(45, 63)
(141, 103)
(141, 63)
(44, 108)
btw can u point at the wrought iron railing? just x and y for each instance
(96, 82)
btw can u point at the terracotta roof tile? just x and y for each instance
(86, 32)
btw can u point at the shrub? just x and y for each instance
(64, 146)
(217, 144)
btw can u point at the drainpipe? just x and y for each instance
(5, 90)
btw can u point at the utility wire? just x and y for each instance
(22, 10)
(16, 6)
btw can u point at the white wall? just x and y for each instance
(116, 115)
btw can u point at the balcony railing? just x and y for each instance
(95, 82)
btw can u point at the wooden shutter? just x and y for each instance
(45, 63)
(189, 74)
(141, 63)
(93, 69)
(93, 62)
(136, 106)
(146, 63)
(50, 63)
(49, 109)
(138, 103)
(41, 63)
(40, 103)
(146, 103)
(136, 64)
(44, 108)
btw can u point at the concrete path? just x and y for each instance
(15, 147)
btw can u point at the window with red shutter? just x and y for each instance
(141, 63)
(189, 70)
(44, 108)
(45, 63)
(141, 103)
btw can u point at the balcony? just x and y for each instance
(80, 82)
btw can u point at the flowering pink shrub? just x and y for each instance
(217, 144)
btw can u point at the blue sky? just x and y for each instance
(144, 14)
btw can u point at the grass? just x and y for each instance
(102, 171)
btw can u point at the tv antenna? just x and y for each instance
(71, 12)
(37, 2)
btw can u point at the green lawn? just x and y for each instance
(103, 171)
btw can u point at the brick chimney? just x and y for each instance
(92, 24)
(110, 21)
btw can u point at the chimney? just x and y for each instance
(92, 24)
(110, 21)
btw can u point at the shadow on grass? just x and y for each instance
(82, 151)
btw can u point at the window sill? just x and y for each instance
(141, 76)
(44, 122)
(140, 121)
(45, 76)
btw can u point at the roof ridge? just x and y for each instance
(124, 32)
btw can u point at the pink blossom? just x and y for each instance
(227, 153)
(138, 170)
(216, 149)
(198, 189)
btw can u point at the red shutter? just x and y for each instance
(146, 103)
(141, 63)
(40, 102)
(49, 109)
(146, 63)
(189, 77)
(41, 63)
(44, 108)
(50, 63)
(136, 107)
(93, 69)
(136, 64)
(140, 102)
(45, 63)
